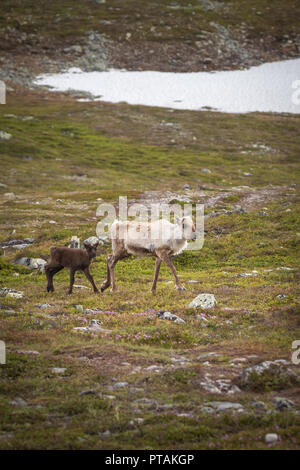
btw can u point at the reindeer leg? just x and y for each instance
(157, 267)
(90, 278)
(72, 278)
(107, 282)
(50, 272)
(164, 256)
(111, 264)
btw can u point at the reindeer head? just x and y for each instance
(91, 249)
(188, 227)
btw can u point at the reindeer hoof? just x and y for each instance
(180, 288)
(96, 291)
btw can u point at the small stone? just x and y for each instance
(104, 434)
(134, 422)
(170, 316)
(270, 438)
(281, 296)
(237, 360)
(283, 403)
(15, 295)
(225, 405)
(34, 353)
(5, 135)
(87, 392)
(204, 356)
(210, 387)
(120, 385)
(203, 301)
(58, 370)
(207, 410)
(91, 241)
(32, 263)
(43, 306)
(109, 397)
(18, 402)
(259, 405)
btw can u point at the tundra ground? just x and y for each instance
(62, 157)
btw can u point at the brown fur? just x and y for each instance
(73, 258)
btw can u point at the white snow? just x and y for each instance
(271, 87)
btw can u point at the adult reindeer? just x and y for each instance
(160, 239)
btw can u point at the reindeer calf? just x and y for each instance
(73, 258)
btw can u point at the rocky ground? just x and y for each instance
(167, 36)
(210, 367)
(133, 370)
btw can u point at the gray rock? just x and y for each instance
(134, 422)
(283, 403)
(210, 387)
(32, 263)
(43, 306)
(259, 405)
(120, 385)
(77, 49)
(281, 296)
(203, 301)
(58, 370)
(277, 368)
(170, 316)
(207, 410)
(10, 196)
(79, 308)
(105, 434)
(91, 240)
(93, 327)
(79, 286)
(146, 403)
(206, 355)
(18, 243)
(271, 438)
(11, 292)
(5, 135)
(34, 353)
(18, 402)
(225, 405)
(87, 392)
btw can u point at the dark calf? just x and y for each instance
(73, 258)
